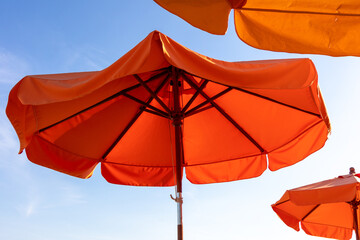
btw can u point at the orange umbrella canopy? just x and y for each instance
(234, 116)
(315, 27)
(325, 209)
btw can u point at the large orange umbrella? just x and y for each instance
(325, 209)
(296, 26)
(162, 108)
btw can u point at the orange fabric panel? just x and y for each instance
(271, 124)
(327, 34)
(138, 175)
(226, 171)
(92, 132)
(328, 220)
(209, 15)
(302, 98)
(49, 113)
(147, 143)
(21, 117)
(322, 6)
(295, 211)
(332, 214)
(327, 231)
(329, 191)
(299, 148)
(316, 27)
(253, 74)
(290, 213)
(44, 153)
(158, 51)
(147, 56)
(287, 218)
(40, 89)
(209, 138)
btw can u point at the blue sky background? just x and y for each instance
(43, 37)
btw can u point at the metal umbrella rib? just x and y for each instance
(141, 110)
(228, 117)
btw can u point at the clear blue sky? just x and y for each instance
(38, 37)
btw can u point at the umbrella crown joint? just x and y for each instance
(354, 203)
(172, 83)
(177, 119)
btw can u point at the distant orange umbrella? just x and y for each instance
(162, 108)
(315, 27)
(324, 209)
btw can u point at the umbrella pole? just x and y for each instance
(179, 199)
(354, 205)
(177, 122)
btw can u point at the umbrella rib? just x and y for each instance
(202, 86)
(227, 116)
(196, 108)
(133, 120)
(155, 113)
(270, 99)
(275, 101)
(152, 93)
(105, 100)
(188, 114)
(299, 12)
(158, 111)
(311, 211)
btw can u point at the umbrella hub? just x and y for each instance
(176, 115)
(177, 119)
(354, 204)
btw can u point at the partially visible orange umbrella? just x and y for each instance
(296, 26)
(162, 108)
(324, 209)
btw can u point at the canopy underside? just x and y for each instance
(223, 127)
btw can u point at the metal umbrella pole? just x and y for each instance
(354, 205)
(177, 122)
